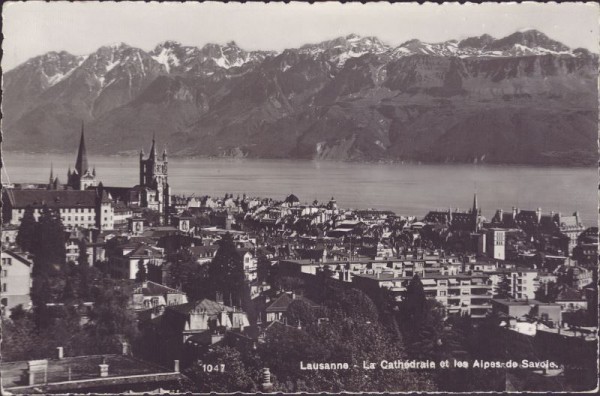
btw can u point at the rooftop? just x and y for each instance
(514, 302)
(52, 198)
(82, 372)
(209, 306)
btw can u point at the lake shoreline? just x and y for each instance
(406, 189)
(349, 161)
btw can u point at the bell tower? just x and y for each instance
(154, 177)
(82, 177)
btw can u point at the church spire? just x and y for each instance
(475, 205)
(51, 172)
(81, 166)
(153, 148)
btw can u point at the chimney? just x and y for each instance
(125, 348)
(59, 353)
(37, 367)
(266, 385)
(103, 369)
(176, 366)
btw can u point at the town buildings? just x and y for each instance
(138, 235)
(15, 281)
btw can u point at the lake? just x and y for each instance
(407, 189)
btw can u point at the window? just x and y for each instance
(89, 218)
(4, 273)
(4, 287)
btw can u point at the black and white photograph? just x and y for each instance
(206, 197)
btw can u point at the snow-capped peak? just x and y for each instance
(340, 49)
(522, 43)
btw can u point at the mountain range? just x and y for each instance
(521, 99)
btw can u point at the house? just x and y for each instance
(16, 281)
(203, 254)
(586, 253)
(122, 214)
(9, 234)
(571, 299)
(250, 263)
(78, 245)
(316, 255)
(518, 308)
(574, 275)
(149, 299)
(277, 310)
(124, 260)
(204, 316)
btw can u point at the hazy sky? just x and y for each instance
(33, 28)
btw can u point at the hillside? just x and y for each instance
(524, 98)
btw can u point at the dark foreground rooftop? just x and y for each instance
(82, 373)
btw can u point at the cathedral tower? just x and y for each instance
(154, 179)
(82, 177)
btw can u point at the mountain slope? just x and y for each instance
(524, 98)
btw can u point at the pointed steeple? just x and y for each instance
(152, 155)
(81, 166)
(475, 206)
(51, 172)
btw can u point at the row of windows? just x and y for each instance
(6, 261)
(77, 218)
(75, 210)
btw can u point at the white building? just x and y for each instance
(15, 281)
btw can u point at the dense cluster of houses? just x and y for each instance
(472, 266)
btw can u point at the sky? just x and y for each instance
(34, 28)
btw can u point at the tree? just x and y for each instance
(141, 275)
(425, 337)
(300, 313)
(191, 277)
(262, 268)
(352, 303)
(414, 303)
(504, 288)
(111, 318)
(226, 270)
(49, 249)
(547, 292)
(232, 374)
(17, 313)
(27, 230)
(154, 273)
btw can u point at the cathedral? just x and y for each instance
(82, 177)
(156, 192)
